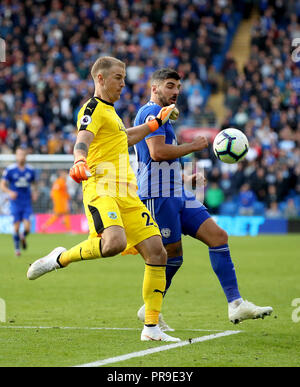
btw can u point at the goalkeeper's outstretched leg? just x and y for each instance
(111, 243)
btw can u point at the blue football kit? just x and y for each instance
(20, 180)
(160, 185)
(176, 210)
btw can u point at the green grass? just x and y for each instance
(107, 293)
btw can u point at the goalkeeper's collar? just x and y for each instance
(102, 100)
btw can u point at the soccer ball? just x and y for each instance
(230, 146)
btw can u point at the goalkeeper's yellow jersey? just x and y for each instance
(108, 156)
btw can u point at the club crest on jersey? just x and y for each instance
(150, 118)
(112, 215)
(86, 120)
(165, 232)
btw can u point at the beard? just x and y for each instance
(163, 101)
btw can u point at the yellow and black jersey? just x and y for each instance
(109, 204)
(108, 155)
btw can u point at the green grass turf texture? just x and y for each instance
(108, 293)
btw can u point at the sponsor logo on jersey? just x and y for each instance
(86, 120)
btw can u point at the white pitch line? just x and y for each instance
(149, 351)
(98, 328)
(71, 328)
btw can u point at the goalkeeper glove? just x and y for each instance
(161, 118)
(80, 170)
(174, 115)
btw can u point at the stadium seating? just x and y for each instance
(51, 46)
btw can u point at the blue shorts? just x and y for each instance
(177, 215)
(20, 212)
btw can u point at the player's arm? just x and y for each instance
(80, 169)
(137, 133)
(160, 151)
(82, 144)
(5, 188)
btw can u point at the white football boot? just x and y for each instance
(161, 322)
(247, 310)
(156, 334)
(45, 265)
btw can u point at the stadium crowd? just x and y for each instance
(263, 101)
(50, 46)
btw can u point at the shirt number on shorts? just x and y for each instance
(148, 218)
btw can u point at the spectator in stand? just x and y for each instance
(214, 197)
(195, 101)
(273, 211)
(226, 185)
(238, 178)
(272, 195)
(258, 184)
(246, 200)
(290, 210)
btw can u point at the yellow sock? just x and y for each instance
(154, 287)
(89, 249)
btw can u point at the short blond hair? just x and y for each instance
(103, 64)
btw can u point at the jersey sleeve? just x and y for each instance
(5, 175)
(150, 114)
(88, 117)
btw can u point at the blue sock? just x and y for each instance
(16, 238)
(223, 267)
(173, 265)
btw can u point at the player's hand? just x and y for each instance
(161, 118)
(198, 178)
(80, 170)
(174, 115)
(199, 143)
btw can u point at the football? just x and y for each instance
(230, 145)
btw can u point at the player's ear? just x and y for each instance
(100, 78)
(154, 88)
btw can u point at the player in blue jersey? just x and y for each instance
(16, 182)
(176, 210)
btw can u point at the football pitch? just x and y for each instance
(85, 315)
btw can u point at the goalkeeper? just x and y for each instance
(118, 220)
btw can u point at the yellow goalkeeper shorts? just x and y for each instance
(127, 211)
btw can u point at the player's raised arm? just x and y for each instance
(137, 133)
(80, 170)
